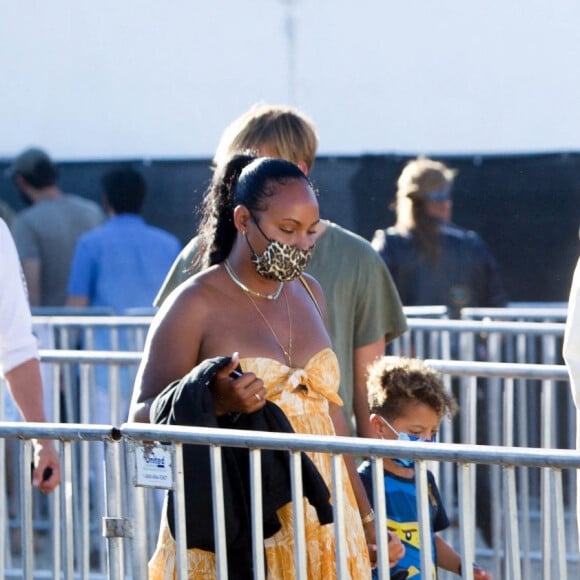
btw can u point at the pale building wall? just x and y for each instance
(161, 78)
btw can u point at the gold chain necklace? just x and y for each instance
(249, 291)
(287, 353)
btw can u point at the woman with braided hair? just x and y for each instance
(258, 231)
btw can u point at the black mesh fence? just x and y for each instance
(526, 207)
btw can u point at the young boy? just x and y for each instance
(407, 401)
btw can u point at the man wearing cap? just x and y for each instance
(46, 233)
(432, 260)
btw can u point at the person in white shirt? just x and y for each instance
(571, 354)
(19, 359)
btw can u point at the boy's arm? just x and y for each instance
(449, 559)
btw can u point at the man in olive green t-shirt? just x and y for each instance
(363, 305)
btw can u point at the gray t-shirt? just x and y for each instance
(48, 231)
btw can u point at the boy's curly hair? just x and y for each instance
(394, 382)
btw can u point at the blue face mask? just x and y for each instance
(406, 437)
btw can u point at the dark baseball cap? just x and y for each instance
(34, 165)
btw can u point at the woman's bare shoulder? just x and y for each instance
(192, 300)
(197, 288)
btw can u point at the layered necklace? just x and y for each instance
(249, 291)
(287, 353)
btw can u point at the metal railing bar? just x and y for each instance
(257, 507)
(500, 370)
(455, 452)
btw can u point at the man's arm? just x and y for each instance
(31, 270)
(25, 384)
(363, 357)
(19, 358)
(379, 319)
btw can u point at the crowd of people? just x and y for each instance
(271, 318)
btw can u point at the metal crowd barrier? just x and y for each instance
(73, 386)
(499, 417)
(434, 311)
(490, 340)
(494, 403)
(492, 334)
(69, 328)
(124, 519)
(91, 329)
(520, 311)
(525, 406)
(82, 331)
(430, 335)
(501, 341)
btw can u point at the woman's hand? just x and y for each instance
(235, 392)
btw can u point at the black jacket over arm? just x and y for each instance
(189, 402)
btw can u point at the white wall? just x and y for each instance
(161, 78)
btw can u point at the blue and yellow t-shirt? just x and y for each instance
(401, 500)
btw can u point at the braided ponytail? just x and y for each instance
(217, 232)
(243, 180)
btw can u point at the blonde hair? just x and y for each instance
(282, 131)
(419, 178)
(393, 382)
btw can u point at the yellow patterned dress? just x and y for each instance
(304, 395)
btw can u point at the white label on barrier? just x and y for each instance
(154, 466)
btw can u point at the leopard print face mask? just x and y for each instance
(281, 262)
